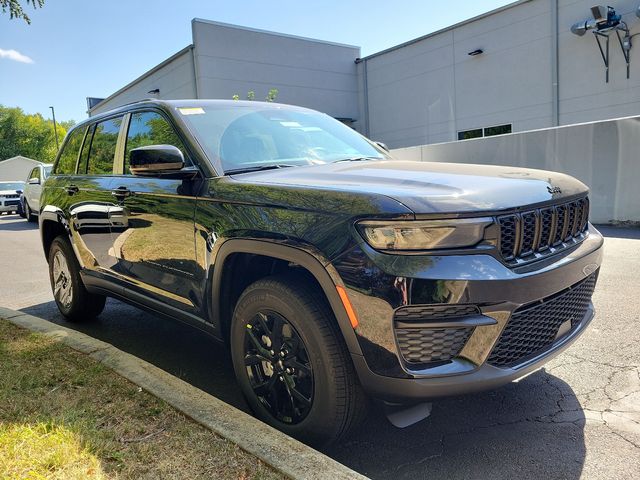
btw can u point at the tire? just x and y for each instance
(28, 214)
(72, 298)
(337, 402)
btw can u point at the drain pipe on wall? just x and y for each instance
(555, 85)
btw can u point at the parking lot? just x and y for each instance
(577, 418)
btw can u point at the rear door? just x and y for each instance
(154, 245)
(91, 202)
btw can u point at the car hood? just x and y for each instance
(8, 192)
(428, 187)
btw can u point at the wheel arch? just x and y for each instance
(310, 262)
(52, 224)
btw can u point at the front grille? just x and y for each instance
(419, 344)
(11, 195)
(533, 328)
(11, 203)
(424, 313)
(528, 235)
(428, 345)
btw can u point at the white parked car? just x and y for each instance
(33, 189)
(10, 196)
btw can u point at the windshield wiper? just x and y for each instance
(256, 169)
(357, 159)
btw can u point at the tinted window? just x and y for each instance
(150, 128)
(103, 147)
(67, 161)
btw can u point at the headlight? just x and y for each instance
(423, 235)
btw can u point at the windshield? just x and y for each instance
(241, 137)
(11, 185)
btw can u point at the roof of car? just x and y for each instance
(193, 103)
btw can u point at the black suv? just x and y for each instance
(333, 271)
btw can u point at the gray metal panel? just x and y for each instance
(311, 73)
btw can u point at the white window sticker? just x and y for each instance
(191, 110)
(290, 124)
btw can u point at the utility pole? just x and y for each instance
(55, 128)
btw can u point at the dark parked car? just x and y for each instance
(334, 272)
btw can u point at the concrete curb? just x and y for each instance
(283, 453)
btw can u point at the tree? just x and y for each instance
(251, 95)
(16, 10)
(28, 135)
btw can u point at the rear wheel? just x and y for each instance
(69, 293)
(28, 213)
(291, 361)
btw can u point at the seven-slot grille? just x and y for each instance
(527, 235)
(533, 328)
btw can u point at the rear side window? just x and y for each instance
(103, 147)
(150, 128)
(67, 161)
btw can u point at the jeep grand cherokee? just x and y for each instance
(334, 272)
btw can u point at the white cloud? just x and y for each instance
(15, 55)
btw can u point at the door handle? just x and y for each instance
(71, 189)
(121, 193)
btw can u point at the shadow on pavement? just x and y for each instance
(530, 429)
(619, 232)
(15, 223)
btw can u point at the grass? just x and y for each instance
(65, 416)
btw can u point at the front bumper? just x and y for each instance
(380, 284)
(9, 205)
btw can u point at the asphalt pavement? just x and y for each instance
(579, 417)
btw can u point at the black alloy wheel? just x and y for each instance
(278, 367)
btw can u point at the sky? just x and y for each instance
(75, 49)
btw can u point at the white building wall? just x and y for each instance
(428, 90)
(174, 77)
(311, 73)
(584, 94)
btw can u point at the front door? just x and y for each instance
(155, 242)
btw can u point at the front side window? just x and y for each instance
(67, 161)
(150, 128)
(245, 137)
(35, 173)
(103, 147)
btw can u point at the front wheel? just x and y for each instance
(71, 296)
(291, 361)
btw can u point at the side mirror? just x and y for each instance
(382, 146)
(156, 160)
(34, 181)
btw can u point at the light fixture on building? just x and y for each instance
(155, 91)
(605, 21)
(476, 52)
